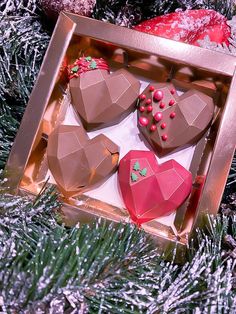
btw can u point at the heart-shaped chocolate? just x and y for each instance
(102, 98)
(76, 162)
(169, 121)
(150, 190)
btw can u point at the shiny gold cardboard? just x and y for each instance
(157, 59)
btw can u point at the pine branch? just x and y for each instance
(129, 12)
(19, 7)
(103, 267)
(23, 42)
(22, 49)
(115, 270)
(226, 7)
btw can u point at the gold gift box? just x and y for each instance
(189, 67)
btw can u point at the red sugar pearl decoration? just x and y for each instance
(162, 105)
(141, 108)
(143, 121)
(151, 88)
(163, 125)
(172, 102)
(142, 96)
(158, 116)
(172, 115)
(164, 137)
(153, 127)
(158, 95)
(148, 101)
(172, 91)
(149, 108)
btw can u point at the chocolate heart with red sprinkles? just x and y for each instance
(169, 121)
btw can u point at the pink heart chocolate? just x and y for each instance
(169, 121)
(150, 190)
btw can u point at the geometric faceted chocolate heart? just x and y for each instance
(76, 162)
(169, 121)
(102, 98)
(150, 190)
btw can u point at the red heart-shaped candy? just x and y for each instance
(150, 190)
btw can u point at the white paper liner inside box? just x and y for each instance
(126, 135)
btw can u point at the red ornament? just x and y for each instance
(143, 121)
(172, 115)
(163, 125)
(189, 26)
(149, 108)
(148, 101)
(142, 96)
(151, 88)
(158, 116)
(153, 128)
(162, 105)
(166, 186)
(158, 95)
(141, 108)
(172, 102)
(53, 8)
(164, 137)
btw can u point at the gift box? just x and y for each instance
(149, 59)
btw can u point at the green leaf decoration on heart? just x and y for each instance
(143, 172)
(136, 166)
(134, 177)
(93, 65)
(75, 69)
(88, 58)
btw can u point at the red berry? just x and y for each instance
(142, 96)
(141, 108)
(158, 95)
(172, 115)
(163, 125)
(143, 121)
(162, 105)
(158, 116)
(151, 88)
(172, 91)
(164, 137)
(149, 108)
(148, 101)
(153, 127)
(172, 102)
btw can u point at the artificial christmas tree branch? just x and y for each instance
(112, 269)
(22, 46)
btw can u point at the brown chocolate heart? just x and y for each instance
(102, 98)
(76, 162)
(169, 121)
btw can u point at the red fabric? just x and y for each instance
(189, 26)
